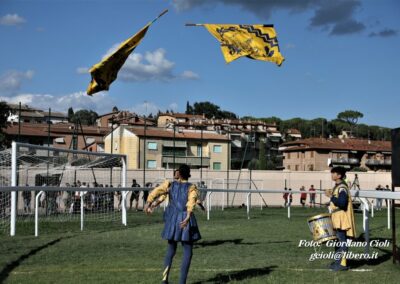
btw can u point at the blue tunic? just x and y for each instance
(176, 212)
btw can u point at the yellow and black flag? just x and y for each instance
(106, 71)
(254, 41)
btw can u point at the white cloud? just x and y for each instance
(101, 102)
(152, 66)
(11, 20)
(11, 80)
(187, 74)
(82, 70)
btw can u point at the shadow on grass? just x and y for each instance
(5, 272)
(239, 275)
(221, 242)
(386, 256)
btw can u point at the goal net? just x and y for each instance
(59, 178)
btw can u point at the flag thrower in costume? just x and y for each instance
(106, 71)
(258, 42)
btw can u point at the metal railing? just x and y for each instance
(375, 162)
(345, 161)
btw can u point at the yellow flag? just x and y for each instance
(254, 41)
(106, 71)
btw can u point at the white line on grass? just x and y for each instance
(175, 269)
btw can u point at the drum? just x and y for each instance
(321, 228)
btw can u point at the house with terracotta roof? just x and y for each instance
(246, 136)
(28, 114)
(164, 148)
(319, 154)
(62, 135)
(122, 118)
(181, 119)
(293, 134)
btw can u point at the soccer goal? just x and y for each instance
(54, 185)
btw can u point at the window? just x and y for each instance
(288, 156)
(288, 167)
(311, 154)
(199, 150)
(298, 155)
(152, 145)
(217, 149)
(151, 164)
(217, 166)
(296, 167)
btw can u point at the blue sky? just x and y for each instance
(339, 55)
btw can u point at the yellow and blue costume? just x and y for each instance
(342, 216)
(182, 197)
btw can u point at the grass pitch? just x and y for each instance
(263, 249)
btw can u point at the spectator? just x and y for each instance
(379, 200)
(290, 197)
(285, 197)
(146, 193)
(27, 196)
(387, 189)
(135, 195)
(303, 196)
(312, 196)
(119, 198)
(203, 194)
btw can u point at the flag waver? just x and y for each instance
(105, 72)
(258, 42)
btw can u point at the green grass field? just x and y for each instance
(263, 249)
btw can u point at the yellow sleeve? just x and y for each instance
(161, 190)
(162, 198)
(192, 198)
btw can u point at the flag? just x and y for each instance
(258, 42)
(105, 72)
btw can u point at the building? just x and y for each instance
(180, 119)
(61, 135)
(246, 136)
(292, 134)
(32, 133)
(164, 148)
(32, 115)
(319, 154)
(122, 118)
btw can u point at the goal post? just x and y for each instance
(35, 167)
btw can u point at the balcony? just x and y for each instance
(345, 161)
(189, 160)
(377, 163)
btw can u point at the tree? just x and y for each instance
(86, 117)
(4, 113)
(350, 116)
(70, 114)
(189, 108)
(262, 159)
(211, 110)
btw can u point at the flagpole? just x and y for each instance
(193, 25)
(159, 16)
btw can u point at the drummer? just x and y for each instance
(342, 215)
